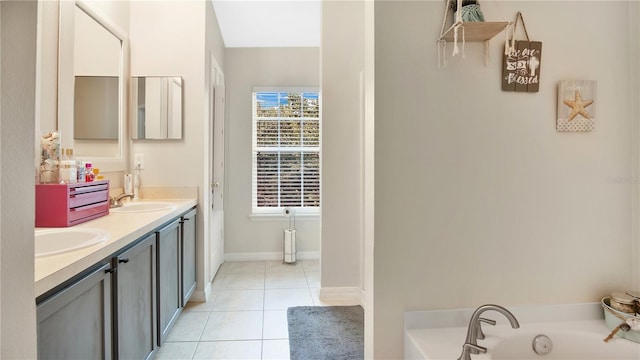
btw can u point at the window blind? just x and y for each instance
(286, 150)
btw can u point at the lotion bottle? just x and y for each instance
(136, 183)
(128, 184)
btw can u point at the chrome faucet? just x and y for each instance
(116, 201)
(474, 332)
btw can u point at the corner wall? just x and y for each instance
(343, 63)
(478, 198)
(246, 68)
(18, 23)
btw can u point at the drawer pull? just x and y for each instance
(123, 261)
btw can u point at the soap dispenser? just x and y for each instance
(136, 183)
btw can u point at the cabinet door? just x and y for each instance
(188, 255)
(136, 297)
(168, 270)
(76, 322)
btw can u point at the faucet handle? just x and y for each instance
(480, 333)
(477, 349)
(468, 349)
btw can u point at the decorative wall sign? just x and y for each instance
(521, 62)
(576, 105)
(521, 67)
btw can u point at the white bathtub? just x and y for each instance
(577, 332)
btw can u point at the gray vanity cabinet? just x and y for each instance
(136, 300)
(124, 306)
(169, 297)
(75, 323)
(188, 243)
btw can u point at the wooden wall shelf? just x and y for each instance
(475, 31)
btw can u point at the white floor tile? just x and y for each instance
(275, 325)
(279, 266)
(275, 350)
(188, 327)
(233, 325)
(239, 300)
(246, 316)
(313, 279)
(311, 265)
(245, 267)
(176, 351)
(223, 267)
(246, 350)
(245, 281)
(201, 306)
(281, 299)
(285, 280)
(217, 281)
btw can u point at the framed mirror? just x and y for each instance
(156, 103)
(92, 65)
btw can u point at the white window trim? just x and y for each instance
(281, 217)
(277, 213)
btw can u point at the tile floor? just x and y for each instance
(246, 318)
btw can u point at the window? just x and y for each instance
(286, 151)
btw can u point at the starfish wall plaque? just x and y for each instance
(576, 105)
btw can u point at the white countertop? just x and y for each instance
(51, 271)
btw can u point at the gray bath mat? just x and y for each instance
(326, 332)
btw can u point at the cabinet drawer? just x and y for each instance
(82, 188)
(81, 213)
(76, 200)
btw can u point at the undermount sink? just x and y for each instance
(60, 240)
(146, 206)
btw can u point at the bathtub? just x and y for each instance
(576, 332)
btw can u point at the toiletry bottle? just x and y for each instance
(67, 167)
(63, 174)
(88, 168)
(128, 184)
(73, 170)
(136, 184)
(80, 167)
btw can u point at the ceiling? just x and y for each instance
(269, 23)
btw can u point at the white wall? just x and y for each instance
(478, 198)
(342, 183)
(246, 68)
(17, 125)
(47, 87)
(174, 38)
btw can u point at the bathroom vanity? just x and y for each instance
(119, 298)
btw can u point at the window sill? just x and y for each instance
(281, 217)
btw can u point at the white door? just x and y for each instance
(216, 168)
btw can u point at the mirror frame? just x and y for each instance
(66, 78)
(133, 115)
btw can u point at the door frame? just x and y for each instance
(215, 119)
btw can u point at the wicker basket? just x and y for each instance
(613, 318)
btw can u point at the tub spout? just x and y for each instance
(471, 342)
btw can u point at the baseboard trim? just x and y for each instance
(269, 256)
(347, 295)
(201, 295)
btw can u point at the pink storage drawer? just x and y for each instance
(62, 205)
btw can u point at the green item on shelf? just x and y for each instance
(472, 13)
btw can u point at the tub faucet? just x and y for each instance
(474, 331)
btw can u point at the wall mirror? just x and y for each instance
(91, 87)
(156, 103)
